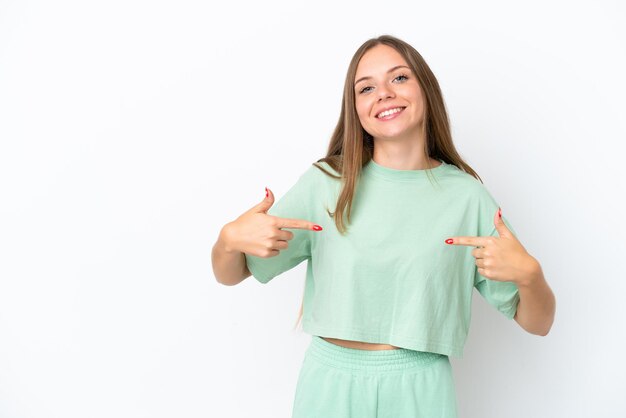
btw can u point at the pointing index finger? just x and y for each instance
(297, 224)
(473, 241)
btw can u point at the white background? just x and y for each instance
(132, 131)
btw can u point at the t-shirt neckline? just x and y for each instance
(394, 174)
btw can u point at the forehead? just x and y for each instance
(378, 60)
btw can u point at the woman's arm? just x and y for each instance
(257, 233)
(536, 307)
(229, 265)
(504, 258)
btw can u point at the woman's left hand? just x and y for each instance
(501, 258)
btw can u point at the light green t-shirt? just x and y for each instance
(392, 279)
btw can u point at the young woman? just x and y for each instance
(397, 230)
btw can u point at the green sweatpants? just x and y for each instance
(340, 382)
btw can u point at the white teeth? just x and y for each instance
(389, 112)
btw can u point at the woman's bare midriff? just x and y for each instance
(359, 345)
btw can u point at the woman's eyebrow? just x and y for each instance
(390, 70)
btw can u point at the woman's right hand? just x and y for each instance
(259, 234)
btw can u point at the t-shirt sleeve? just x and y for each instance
(296, 203)
(504, 296)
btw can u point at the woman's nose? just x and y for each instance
(384, 92)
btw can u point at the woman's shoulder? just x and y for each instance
(324, 169)
(455, 174)
(465, 182)
(316, 175)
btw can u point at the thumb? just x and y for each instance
(501, 227)
(266, 203)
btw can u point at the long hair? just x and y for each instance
(351, 147)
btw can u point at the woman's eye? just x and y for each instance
(401, 75)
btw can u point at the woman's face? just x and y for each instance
(390, 84)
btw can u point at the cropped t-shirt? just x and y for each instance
(391, 279)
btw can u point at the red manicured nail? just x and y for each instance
(449, 241)
(317, 227)
(500, 212)
(267, 193)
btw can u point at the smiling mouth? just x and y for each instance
(391, 112)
